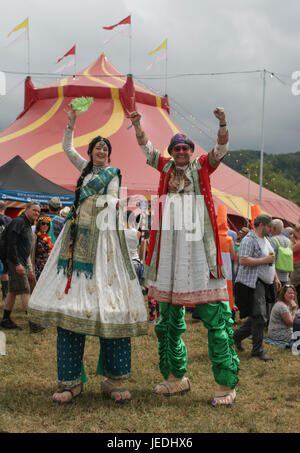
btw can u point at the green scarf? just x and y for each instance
(87, 232)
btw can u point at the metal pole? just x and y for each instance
(28, 50)
(247, 172)
(262, 139)
(130, 47)
(166, 69)
(248, 215)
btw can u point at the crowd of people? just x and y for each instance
(86, 269)
(26, 243)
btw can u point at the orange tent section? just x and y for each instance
(36, 136)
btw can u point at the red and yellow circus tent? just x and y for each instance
(36, 136)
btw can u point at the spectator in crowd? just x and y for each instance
(241, 234)
(283, 314)
(45, 209)
(295, 275)
(42, 245)
(254, 285)
(289, 231)
(283, 255)
(18, 240)
(277, 241)
(64, 212)
(233, 235)
(4, 221)
(57, 220)
(133, 236)
(153, 305)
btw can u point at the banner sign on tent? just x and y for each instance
(26, 197)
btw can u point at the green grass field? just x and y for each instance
(268, 394)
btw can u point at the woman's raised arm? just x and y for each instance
(76, 159)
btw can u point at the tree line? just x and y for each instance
(281, 172)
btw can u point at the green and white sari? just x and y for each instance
(105, 297)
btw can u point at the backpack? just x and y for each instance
(284, 260)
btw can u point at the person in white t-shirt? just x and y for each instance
(132, 236)
(254, 286)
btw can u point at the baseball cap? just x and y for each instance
(55, 202)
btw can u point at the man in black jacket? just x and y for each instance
(18, 239)
(4, 221)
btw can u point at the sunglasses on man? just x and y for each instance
(181, 147)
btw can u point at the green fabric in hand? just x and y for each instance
(82, 104)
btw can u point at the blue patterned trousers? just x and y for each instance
(114, 358)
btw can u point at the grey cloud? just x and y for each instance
(211, 36)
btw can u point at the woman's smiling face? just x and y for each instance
(100, 154)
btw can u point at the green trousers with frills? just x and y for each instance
(217, 318)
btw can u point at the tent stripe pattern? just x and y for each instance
(37, 135)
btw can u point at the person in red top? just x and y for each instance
(184, 262)
(295, 275)
(42, 245)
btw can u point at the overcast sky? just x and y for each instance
(204, 36)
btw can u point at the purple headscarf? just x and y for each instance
(179, 139)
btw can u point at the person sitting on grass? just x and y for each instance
(283, 314)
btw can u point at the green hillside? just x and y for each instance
(281, 172)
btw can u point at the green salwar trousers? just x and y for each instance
(217, 318)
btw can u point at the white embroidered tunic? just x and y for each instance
(109, 304)
(183, 272)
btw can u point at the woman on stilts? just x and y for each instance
(88, 285)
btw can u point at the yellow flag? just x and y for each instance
(162, 46)
(24, 24)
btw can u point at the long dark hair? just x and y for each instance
(73, 216)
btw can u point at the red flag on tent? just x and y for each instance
(127, 20)
(71, 52)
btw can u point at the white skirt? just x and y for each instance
(183, 276)
(108, 305)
